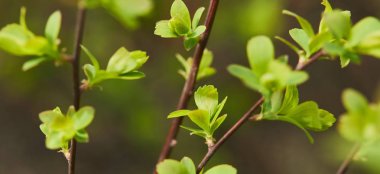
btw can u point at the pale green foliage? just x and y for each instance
(59, 129)
(127, 12)
(361, 123)
(181, 25)
(186, 166)
(18, 40)
(337, 36)
(206, 117)
(205, 69)
(123, 65)
(267, 74)
(307, 116)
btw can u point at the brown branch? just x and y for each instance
(246, 116)
(346, 163)
(190, 82)
(76, 83)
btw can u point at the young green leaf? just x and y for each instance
(339, 23)
(260, 53)
(164, 30)
(197, 17)
(33, 63)
(171, 166)
(205, 69)
(247, 76)
(59, 129)
(306, 26)
(53, 26)
(222, 169)
(302, 39)
(354, 101)
(189, 164)
(206, 98)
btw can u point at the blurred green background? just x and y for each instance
(130, 125)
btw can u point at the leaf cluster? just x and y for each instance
(266, 74)
(205, 69)
(361, 122)
(181, 25)
(337, 36)
(186, 166)
(59, 129)
(17, 39)
(206, 117)
(307, 115)
(123, 65)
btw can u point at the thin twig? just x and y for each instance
(346, 163)
(190, 82)
(246, 117)
(76, 83)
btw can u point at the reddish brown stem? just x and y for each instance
(346, 163)
(246, 117)
(80, 21)
(190, 82)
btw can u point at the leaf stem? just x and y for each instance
(79, 30)
(346, 163)
(246, 117)
(190, 82)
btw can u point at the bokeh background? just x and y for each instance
(130, 125)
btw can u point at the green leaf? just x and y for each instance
(180, 17)
(302, 39)
(179, 113)
(169, 166)
(22, 18)
(354, 101)
(83, 117)
(49, 116)
(206, 98)
(163, 29)
(219, 109)
(197, 17)
(131, 75)
(123, 61)
(190, 43)
(189, 164)
(55, 140)
(328, 9)
(222, 169)
(339, 23)
(327, 119)
(306, 26)
(93, 59)
(205, 69)
(260, 52)
(82, 136)
(296, 78)
(363, 29)
(318, 41)
(200, 118)
(198, 132)
(197, 32)
(53, 27)
(90, 71)
(33, 63)
(290, 100)
(217, 123)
